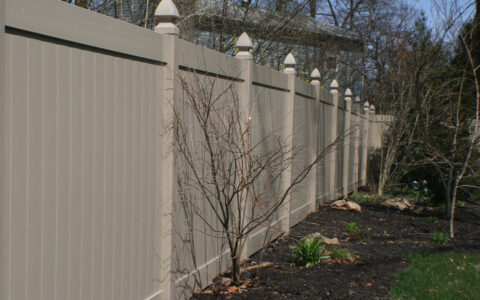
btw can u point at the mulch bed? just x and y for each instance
(394, 236)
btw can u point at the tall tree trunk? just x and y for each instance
(476, 35)
(279, 5)
(313, 8)
(477, 10)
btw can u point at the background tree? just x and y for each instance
(412, 63)
(453, 128)
(435, 132)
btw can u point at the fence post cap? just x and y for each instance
(372, 108)
(244, 45)
(244, 42)
(289, 63)
(166, 8)
(290, 60)
(366, 107)
(357, 99)
(334, 85)
(167, 13)
(315, 74)
(348, 93)
(315, 77)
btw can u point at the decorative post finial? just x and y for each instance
(244, 45)
(348, 94)
(357, 99)
(372, 109)
(334, 87)
(290, 63)
(348, 98)
(315, 77)
(366, 107)
(167, 14)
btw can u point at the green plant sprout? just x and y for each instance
(341, 253)
(351, 227)
(439, 237)
(309, 252)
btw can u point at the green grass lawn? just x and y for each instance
(438, 276)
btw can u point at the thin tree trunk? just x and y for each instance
(146, 14)
(235, 269)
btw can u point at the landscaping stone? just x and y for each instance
(398, 203)
(332, 241)
(346, 205)
(418, 210)
(326, 240)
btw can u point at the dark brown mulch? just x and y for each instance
(394, 236)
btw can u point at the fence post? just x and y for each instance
(244, 45)
(333, 138)
(315, 81)
(356, 155)
(346, 142)
(365, 126)
(4, 188)
(167, 13)
(288, 130)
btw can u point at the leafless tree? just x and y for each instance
(238, 179)
(460, 112)
(435, 102)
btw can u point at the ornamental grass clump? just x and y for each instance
(309, 252)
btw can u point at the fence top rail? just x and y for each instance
(66, 22)
(305, 96)
(267, 77)
(383, 118)
(304, 88)
(197, 57)
(325, 96)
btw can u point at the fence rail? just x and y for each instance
(89, 206)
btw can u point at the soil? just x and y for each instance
(394, 236)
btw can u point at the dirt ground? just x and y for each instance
(394, 236)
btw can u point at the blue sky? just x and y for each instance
(436, 20)
(428, 6)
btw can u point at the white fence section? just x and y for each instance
(88, 206)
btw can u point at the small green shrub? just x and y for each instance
(360, 197)
(309, 252)
(361, 236)
(432, 220)
(357, 197)
(439, 237)
(351, 227)
(341, 253)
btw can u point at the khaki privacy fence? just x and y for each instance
(88, 206)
